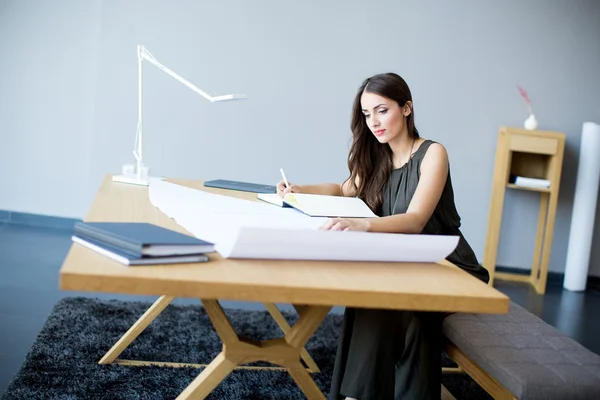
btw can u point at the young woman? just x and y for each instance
(405, 180)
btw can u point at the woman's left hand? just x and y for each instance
(346, 224)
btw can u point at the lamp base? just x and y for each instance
(131, 179)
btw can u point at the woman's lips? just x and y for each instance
(379, 132)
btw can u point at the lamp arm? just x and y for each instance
(145, 54)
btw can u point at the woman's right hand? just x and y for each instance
(282, 190)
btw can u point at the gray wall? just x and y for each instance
(48, 53)
(68, 93)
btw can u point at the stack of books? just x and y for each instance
(138, 243)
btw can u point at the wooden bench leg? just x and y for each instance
(446, 395)
(452, 370)
(488, 383)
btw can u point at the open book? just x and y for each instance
(317, 205)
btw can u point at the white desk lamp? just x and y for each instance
(138, 174)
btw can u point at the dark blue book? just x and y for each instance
(139, 239)
(128, 259)
(241, 186)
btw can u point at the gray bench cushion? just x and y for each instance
(530, 358)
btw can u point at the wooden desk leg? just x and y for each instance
(285, 327)
(137, 328)
(310, 319)
(237, 351)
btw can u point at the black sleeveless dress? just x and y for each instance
(445, 219)
(395, 354)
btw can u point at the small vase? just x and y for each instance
(531, 123)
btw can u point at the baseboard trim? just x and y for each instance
(554, 278)
(38, 220)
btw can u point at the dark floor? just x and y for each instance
(30, 258)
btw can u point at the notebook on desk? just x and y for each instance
(316, 205)
(242, 186)
(141, 239)
(130, 259)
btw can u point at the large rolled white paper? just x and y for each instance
(251, 229)
(584, 209)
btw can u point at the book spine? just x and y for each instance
(102, 238)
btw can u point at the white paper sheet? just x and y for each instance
(246, 229)
(216, 218)
(272, 198)
(322, 205)
(289, 244)
(203, 201)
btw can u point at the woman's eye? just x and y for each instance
(367, 115)
(382, 111)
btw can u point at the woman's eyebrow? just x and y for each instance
(376, 107)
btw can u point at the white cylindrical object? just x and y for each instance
(584, 209)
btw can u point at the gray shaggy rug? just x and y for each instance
(63, 361)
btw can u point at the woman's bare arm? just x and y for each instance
(327, 189)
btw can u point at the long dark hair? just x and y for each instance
(368, 159)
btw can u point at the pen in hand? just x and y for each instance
(287, 185)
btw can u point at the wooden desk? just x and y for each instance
(316, 285)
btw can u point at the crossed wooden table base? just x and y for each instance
(286, 352)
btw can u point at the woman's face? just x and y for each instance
(384, 117)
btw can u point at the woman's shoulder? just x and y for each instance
(431, 149)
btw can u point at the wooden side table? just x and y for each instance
(531, 154)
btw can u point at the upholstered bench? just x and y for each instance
(517, 355)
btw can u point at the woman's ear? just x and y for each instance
(407, 109)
